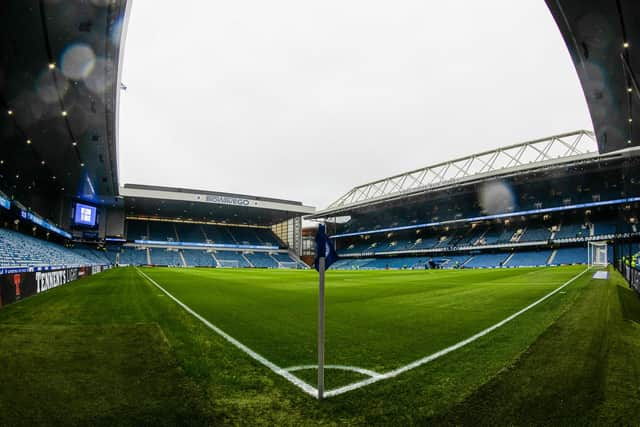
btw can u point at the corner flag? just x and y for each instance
(325, 256)
(324, 249)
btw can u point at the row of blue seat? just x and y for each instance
(562, 256)
(20, 250)
(200, 258)
(479, 236)
(200, 233)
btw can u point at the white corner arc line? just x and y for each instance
(362, 371)
(310, 390)
(436, 355)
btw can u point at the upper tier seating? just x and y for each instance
(491, 237)
(425, 243)
(267, 237)
(217, 234)
(571, 231)
(190, 233)
(20, 250)
(535, 234)
(137, 230)
(607, 228)
(201, 233)
(162, 231)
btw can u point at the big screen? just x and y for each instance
(85, 215)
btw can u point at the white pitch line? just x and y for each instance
(362, 371)
(275, 368)
(374, 376)
(431, 357)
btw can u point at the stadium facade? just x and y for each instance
(529, 204)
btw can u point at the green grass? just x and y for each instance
(112, 349)
(374, 320)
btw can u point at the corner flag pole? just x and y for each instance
(321, 268)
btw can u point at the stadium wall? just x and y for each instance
(16, 285)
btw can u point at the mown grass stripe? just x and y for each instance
(257, 357)
(438, 354)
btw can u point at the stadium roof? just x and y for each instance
(59, 95)
(200, 205)
(603, 38)
(518, 158)
(59, 86)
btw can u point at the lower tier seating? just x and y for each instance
(20, 250)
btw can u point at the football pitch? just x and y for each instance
(378, 324)
(225, 346)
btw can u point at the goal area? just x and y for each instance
(288, 264)
(597, 254)
(222, 263)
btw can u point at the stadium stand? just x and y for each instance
(112, 253)
(20, 250)
(231, 259)
(452, 261)
(261, 260)
(190, 233)
(486, 260)
(570, 256)
(572, 232)
(215, 234)
(196, 258)
(133, 256)
(162, 231)
(96, 256)
(535, 233)
(137, 230)
(529, 259)
(165, 257)
(605, 228)
(282, 257)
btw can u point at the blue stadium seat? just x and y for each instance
(535, 234)
(133, 256)
(231, 259)
(486, 260)
(190, 233)
(20, 250)
(137, 230)
(529, 259)
(165, 257)
(198, 258)
(261, 260)
(570, 256)
(162, 231)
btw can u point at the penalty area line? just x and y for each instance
(438, 354)
(310, 390)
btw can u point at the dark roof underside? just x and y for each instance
(603, 38)
(58, 86)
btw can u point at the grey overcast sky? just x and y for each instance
(305, 99)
